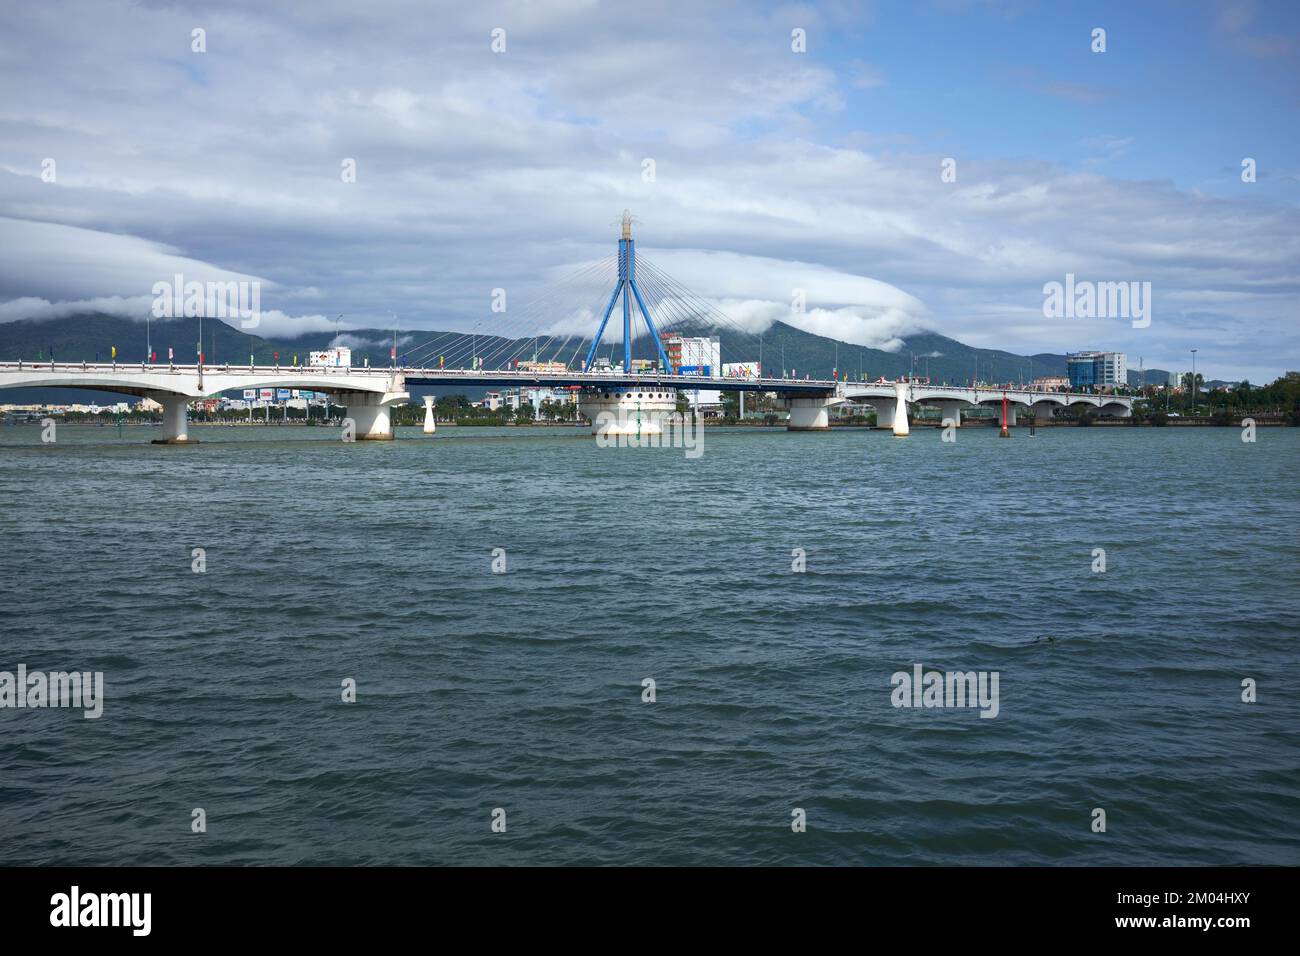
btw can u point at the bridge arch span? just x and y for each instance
(368, 395)
(98, 383)
(217, 382)
(932, 396)
(1011, 400)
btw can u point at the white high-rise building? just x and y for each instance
(1114, 368)
(700, 356)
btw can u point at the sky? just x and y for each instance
(763, 149)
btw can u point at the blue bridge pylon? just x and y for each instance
(626, 284)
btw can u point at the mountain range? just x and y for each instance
(92, 336)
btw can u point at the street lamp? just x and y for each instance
(1194, 383)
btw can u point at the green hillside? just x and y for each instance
(85, 337)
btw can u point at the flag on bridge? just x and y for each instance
(114, 352)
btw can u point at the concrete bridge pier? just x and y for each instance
(370, 411)
(891, 413)
(1011, 414)
(1043, 411)
(809, 414)
(627, 411)
(951, 410)
(176, 419)
(429, 425)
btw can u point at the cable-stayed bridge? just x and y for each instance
(635, 395)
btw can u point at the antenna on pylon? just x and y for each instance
(626, 221)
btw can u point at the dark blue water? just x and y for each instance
(523, 690)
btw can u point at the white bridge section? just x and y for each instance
(893, 401)
(368, 394)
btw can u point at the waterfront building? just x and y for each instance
(696, 355)
(1096, 368)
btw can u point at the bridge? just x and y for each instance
(369, 393)
(892, 401)
(627, 399)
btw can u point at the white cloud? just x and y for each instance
(31, 307)
(347, 340)
(486, 171)
(68, 263)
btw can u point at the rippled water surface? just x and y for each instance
(523, 690)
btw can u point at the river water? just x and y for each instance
(522, 692)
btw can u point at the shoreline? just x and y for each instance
(992, 423)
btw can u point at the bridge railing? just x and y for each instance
(23, 365)
(595, 378)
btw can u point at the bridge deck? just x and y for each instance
(227, 377)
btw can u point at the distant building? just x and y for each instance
(507, 398)
(148, 405)
(700, 355)
(1096, 368)
(1050, 383)
(557, 396)
(553, 368)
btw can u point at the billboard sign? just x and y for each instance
(331, 358)
(740, 370)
